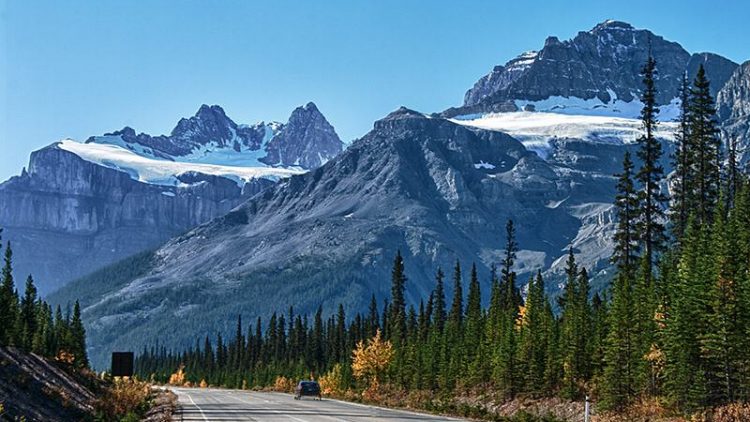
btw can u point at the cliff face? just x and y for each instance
(69, 216)
(733, 107)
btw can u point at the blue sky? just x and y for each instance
(74, 69)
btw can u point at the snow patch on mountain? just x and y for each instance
(596, 107)
(135, 160)
(536, 130)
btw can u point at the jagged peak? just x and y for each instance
(611, 24)
(310, 106)
(403, 113)
(213, 110)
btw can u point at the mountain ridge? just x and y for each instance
(79, 206)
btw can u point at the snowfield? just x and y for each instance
(149, 169)
(536, 129)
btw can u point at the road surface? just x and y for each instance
(208, 404)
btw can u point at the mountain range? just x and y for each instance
(80, 206)
(537, 140)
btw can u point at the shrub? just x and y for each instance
(125, 399)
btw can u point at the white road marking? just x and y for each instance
(196, 406)
(278, 412)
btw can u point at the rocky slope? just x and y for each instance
(600, 66)
(733, 104)
(79, 207)
(33, 388)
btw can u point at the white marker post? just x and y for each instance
(586, 414)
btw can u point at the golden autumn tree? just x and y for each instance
(178, 378)
(370, 361)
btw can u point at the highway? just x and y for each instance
(209, 404)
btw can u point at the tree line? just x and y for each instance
(30, 324)
(675, 324)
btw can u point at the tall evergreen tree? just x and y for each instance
(651, 173)
(683, 163)
(27, 321)
(627, 210)
(78, 337)
(705, 141)
(8, 300)
(397, 319)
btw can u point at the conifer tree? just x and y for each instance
(650, 227)
(8, 300)
(474, 332)
(27, 321)
(627, 210)
(397, 319)
(683, 163)
(533, 342)
(78, 337)
(705, 141)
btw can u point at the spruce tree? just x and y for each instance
(474, 332)
(397, 319)
(683, 163)
(705, 141)
(78, 337)
(8, 300)
(533, 337)
(627, 210)
(27, 321)
(651, 173)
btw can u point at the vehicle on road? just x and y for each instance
(307, 388)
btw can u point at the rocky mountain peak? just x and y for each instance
(601, 64)
(307, 140)
(210, 123)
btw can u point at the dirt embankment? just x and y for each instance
(42, 390)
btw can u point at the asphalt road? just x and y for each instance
(237, 405)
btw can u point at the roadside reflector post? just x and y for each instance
(586, 410)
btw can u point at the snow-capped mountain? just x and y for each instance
(598, 68)
(83, 205)
(211, 143)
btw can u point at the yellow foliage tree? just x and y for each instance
(178, 378)
(331, 381)
(283, 384)
(369, 361)
(203, 384)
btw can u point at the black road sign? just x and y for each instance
(122, 364)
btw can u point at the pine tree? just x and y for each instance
(621, 369)
(454, 351)
(626, 209)
(533, 337)
(683, 163)
(8, 300)
(397, 319)
(651, 230)
(78, 337)
(685, 371)
(474, 332)
(705, 141)
(724, 344)
(576, 329)
(27, 321)
(510, 297)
